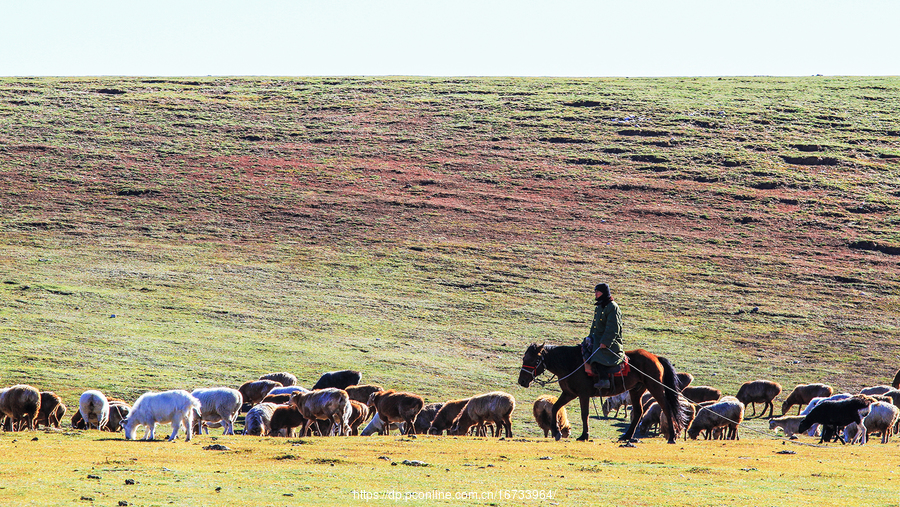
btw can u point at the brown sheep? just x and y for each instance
(496, 407)
(362, 393)
(803, 394)
(896, 383)
(284, 419)
(118, 411)
(393, 406)
(700, 394)
(684, 379)
(52, 410)
(543, 414)
(759, 391)
(278, 399)
(443, 420)
(255, 391)
(21, 405)
(329, 404)
(358, 416)
(286, 379)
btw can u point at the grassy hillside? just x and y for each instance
(162, 233)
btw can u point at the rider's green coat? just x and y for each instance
(607, 329)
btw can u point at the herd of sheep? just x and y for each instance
(338, 404)
(849, 418)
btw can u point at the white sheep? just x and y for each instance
(176, 407)
(622, 400)
(258, 420)
(788, 423)
(376, 425)
(219, 404)
(881, 418)
(94, 408)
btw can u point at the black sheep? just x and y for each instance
(338, 379)
(835, 414)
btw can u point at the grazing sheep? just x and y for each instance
(284, 419)
(496, 407)
(881, 418)
(52, 410)
(835, 414)
(815, 401)
(219, 404)
(329, 404)
(443, 420)
(398, 407)
(284, 378)
(543, 415)
(803, 394)
(94, 409)
(376, 425)
(338, 379)
(21, 404)
(788, 423)
(255, 391)
(426, 417)
(726, 413)
(176, 407)
(278, 399)
(684, 379)
(118, 412)
(759, 391)
(700, 394)
(358, 416)
(650, 419)
(621, 400)
(871, 391)
(258, 421)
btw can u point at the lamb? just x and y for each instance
(176, 407)
(52, 410)
(759, 391)
(284, 378)
(649, 419)
(443, 420)
(219, 404)
(284, 419)
(543, 415)
(94, 409)
(338, 379)
(700, 394)
(496, 407)
(255, 391)
(258, 420)
(376, 425)
(803, 394)
(834, 415)
(329, 404)
(881, 418)
(788, 423)
(398, 407)
(726, 413)
(21, 404)
(616, 402)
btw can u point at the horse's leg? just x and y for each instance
(564, 398)
(637, 411)
(585, 401)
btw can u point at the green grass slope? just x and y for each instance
(172, 233)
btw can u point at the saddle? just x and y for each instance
(620, 370)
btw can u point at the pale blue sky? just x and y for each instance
(450, 38)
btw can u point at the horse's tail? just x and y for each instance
(673, 390)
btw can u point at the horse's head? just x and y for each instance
(532, 364)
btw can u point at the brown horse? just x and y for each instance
(648, 372)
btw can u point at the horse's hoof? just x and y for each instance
(557, 437)
(671, 442)
(582, 438)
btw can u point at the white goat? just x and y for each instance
(176, 407)
(219, 404)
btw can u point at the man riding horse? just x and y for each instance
(605, 351)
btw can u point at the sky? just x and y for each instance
(575, 38)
